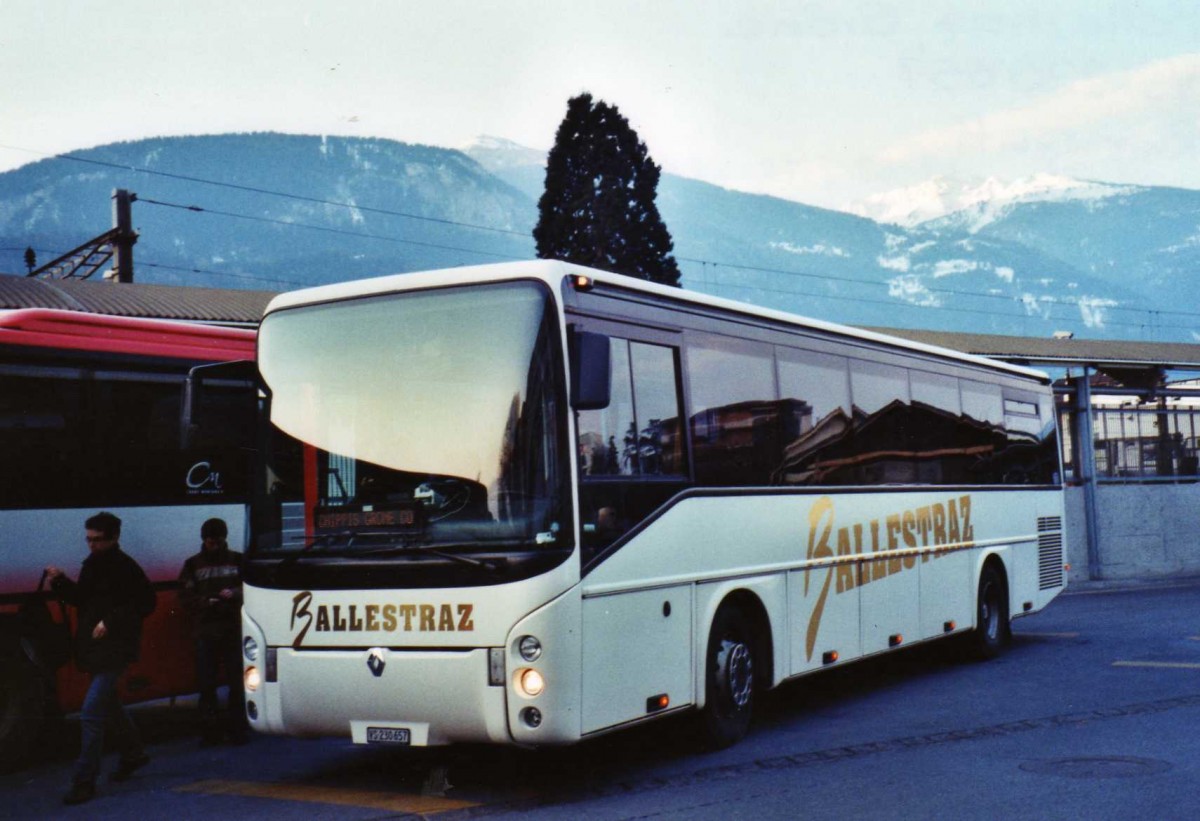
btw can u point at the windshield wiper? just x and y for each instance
(399, 545)
(411, 549)
(323, 539)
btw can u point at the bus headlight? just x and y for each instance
(252, 679)
(530, 682)
(529, 648)
(250, 648)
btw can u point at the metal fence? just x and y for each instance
(1136, 440)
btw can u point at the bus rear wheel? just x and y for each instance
(993, 631)
(729, 680)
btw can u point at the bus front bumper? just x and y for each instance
(385, 696)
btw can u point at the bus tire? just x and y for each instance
(993, 630)
(22, 710)
(729, 680)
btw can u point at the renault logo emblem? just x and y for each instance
(377, 660)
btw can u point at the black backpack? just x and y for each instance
(46, 643)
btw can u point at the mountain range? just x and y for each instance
(273, 211)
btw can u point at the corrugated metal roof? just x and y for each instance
(245, 308)
(1028, 350)
(214, 305)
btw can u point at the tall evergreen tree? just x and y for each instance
(598, 207)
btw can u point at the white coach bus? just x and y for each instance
(531, 503)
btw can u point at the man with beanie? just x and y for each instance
(211, 591)
(113, 596)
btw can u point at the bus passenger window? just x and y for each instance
(942, 444)
(884, 432)
(737, 434)
(814, 391)
(983, 416)
(1031, 449)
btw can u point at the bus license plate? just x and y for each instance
(388, 735)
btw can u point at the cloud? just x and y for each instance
(1166, 85)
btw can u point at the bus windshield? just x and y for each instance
(419, 427)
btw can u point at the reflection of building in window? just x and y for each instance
(806, 459)
(741, 443)
(778, 442)
(612, 441)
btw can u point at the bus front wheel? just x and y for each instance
(729, 680)
(992, 631)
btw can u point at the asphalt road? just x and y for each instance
(1094, 713)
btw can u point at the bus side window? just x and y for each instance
(737, 430)
(41, 446)
(983, 416)
(1031, 449)
(941, 443)
(884, 432)
(631, 453)
(814, 391)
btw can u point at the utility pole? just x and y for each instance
(124, 236)
(115, 244)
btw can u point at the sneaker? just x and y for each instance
(127, 766)
(80, 792)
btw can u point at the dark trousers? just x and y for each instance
(213, 654)
(102, 708)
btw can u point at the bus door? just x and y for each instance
(632, 460)
(632, 454)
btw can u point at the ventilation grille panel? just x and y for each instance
(1050, 552)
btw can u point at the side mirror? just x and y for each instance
(191, 409)
(591, 370)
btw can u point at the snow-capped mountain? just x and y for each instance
(917, 263)
(973, 205)
(497, 154)
(1143, 238)
(1052, 254)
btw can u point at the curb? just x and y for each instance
(1094, 586)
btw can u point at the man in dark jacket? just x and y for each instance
(210, 588)
(112, 596)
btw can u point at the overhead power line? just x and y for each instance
(196, 209)
(950, 308)
(143, 264)
(191, 270)
(253, 189)
(1150, 312)
(930, 289)
(706, 262)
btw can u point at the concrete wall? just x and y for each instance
(1149, 531)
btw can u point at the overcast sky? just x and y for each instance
(821, 102)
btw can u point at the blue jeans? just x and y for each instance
(101, 707)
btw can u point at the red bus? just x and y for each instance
(90, 410)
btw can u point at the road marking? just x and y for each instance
(1166, 665)
(1068, 635)
(392, 802)
(1193, 638)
